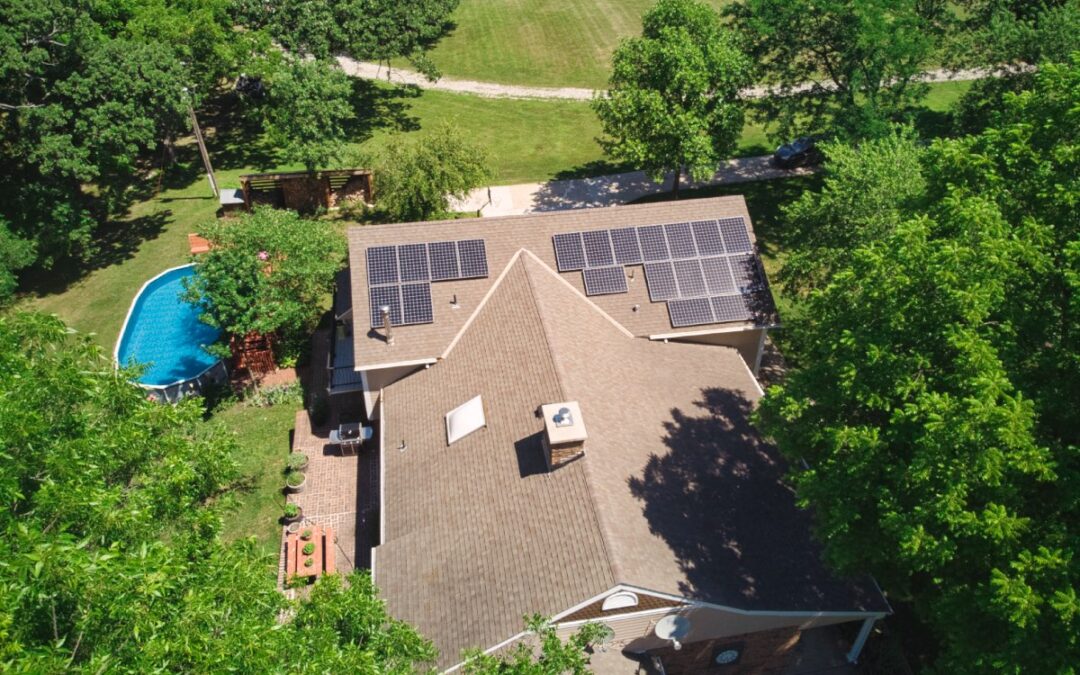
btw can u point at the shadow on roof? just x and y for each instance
(719, 501)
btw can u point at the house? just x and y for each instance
(563, 425)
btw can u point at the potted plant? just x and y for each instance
(306, 534)
(297, 461)
(295, 481)
(309, 548)
(293, 514)
(309, 562)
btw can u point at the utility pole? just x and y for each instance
(202, 146)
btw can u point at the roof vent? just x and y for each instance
(465, 419)
(564, 433)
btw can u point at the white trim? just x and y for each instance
(507, 641)
(757, 385)
(713, 331)
(123, 331)
(382, 471)
(755, 612)
(860, 640)
(398, 364)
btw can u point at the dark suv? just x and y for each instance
(800, 152)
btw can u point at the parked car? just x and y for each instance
(800, 152)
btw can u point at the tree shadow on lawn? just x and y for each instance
(117, 242)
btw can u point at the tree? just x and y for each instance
(110, 517)
(672, 100)
(838, 66)
(308, 108)
(266, 272)
(15, 254)
(867, 191)
(415, 180)
(556, 657)
(936, 390)
(371, 30)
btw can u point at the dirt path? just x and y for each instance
(374, 71)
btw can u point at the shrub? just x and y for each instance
(264, 397)
(292, 510)
(305, 535)
(294, 478)
(296, 461)
(309, 548)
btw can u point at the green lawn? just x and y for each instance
(263, 434)
(560, 43)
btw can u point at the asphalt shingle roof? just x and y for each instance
(676, 492)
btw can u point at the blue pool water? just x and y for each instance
(164, 333)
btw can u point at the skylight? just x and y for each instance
(465, 419)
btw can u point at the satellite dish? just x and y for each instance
(673, 627)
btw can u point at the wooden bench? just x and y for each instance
(329, 550)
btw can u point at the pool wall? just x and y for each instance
(172, 392)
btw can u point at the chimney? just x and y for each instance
(564, 433)
(385, 311)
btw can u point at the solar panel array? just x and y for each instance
(400, 277)
(706, 271)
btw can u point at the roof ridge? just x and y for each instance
(560, 374)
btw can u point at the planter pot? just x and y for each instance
(293, 489)
(303, 464)
(294, 520)
(293, 528)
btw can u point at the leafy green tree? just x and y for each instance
(110, 517)
(867, 191)
(308, 110)
(672, 101)
(266, 272)
(373, 30)
(839, 66)
(414, 180)
(936, 390)
(555, 658)
(15, 254)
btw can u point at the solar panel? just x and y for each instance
(569, 251)
(604, 280)
(736, 239)
(412, 259)
(660, 278)
(745, 271)
(692, 312)
(473, 257)
(707, 237)
(444, 262)
(388, 296)
(627, 250)
(680, 239)
(730, 308)
(382, 265)
(653, 243)
(416, 303)
(688, 276)
(717, 276)
(598, 251)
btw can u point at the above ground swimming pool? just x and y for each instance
(163, 333)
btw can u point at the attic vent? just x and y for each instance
(465, 419)
(620, 600)
(564, 433)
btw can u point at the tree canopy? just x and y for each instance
(672, 100)
(110, 517)
(860, 59)
(307, 111)
(266, 272)
(414, 180)
(554, 656)
(936, 393)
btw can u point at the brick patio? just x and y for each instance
(342, 491)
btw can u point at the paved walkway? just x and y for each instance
(375, 71)
(619, 188)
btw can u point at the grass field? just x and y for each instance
(560, 43)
